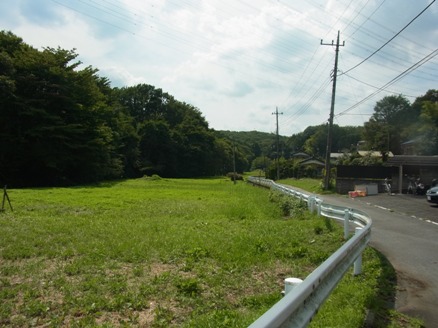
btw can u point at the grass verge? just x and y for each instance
(163, 253)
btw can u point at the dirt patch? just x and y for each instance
(409, 291)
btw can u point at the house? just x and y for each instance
(309, 165)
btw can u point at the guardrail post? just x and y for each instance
(358, 262)
(310, 203)
(346, 223)
(318, 206)
(290, 283)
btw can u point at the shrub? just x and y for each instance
(290, 206)
(234, 176)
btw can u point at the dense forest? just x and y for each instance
(61, 124)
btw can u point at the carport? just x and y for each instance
(424, 167)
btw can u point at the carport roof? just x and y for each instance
(398, 160)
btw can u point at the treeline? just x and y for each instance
(63, 125)
(396, 126)
(395, 123)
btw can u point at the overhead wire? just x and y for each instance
(305, 94)
(397, 34)
(392, 38)
(366, 19)
(394, 80)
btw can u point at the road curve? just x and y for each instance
(405, 230)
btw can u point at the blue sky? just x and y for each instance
(238, 60)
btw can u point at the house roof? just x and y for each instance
(398, 160)
(301, 154)
(312, 160)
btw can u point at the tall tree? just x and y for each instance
(383, 130)
(424, 130)
(175, 139)
(52, 119)
(427, 132)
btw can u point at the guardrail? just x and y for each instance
(299, 305)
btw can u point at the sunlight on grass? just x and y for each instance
(153, 252)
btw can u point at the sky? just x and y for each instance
(239, 61)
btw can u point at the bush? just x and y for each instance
(290, 206)
(234, 176)
(153, 177)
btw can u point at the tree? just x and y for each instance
(174, 138)
(52, 119)
(384, 129)
(424, 130)
(316, 144)
(156, 148)
(428, 130)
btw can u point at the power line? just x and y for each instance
(373, 86)
(367, 18)
(394, 80)
(129, 19)
(376, 51)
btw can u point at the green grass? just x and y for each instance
(308, 184)
(162, 253)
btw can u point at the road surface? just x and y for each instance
(405, 230)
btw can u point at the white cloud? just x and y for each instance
(237, 60)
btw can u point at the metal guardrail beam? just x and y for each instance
(297, 307)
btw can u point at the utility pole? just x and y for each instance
(332, 110)
(276, 113)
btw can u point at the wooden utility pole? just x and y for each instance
(276, 113)
(332, 110)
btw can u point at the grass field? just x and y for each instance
(164, 253)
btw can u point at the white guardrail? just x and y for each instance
(301, 303)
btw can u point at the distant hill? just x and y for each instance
(257, 143)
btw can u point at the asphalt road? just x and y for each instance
(405, 230)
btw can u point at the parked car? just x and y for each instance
(432, 195)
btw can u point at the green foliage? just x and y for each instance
(53, 120)
(189, 287)
(61, 124)
(356, 159)
(234, 176)
(425, 131)
(290, 206)
(255, 142)
(391, 116)
(261, 163)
